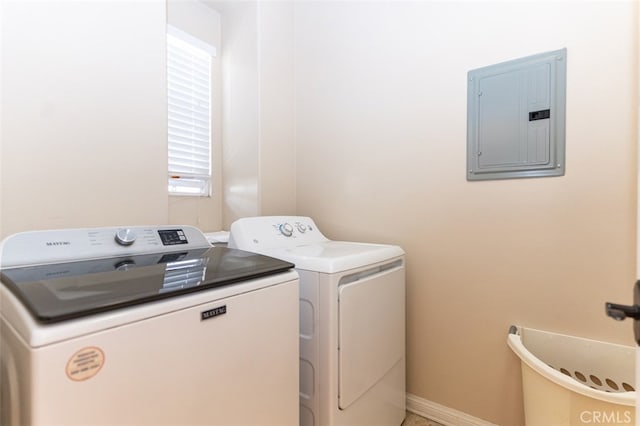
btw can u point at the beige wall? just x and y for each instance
(203, 23)
(381, 139)
(240, 116)
(83, 114)
(258, 117)
(277, 134)
(84, 120)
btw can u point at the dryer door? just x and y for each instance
(371, 330)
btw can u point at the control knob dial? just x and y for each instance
(126, 236)
(286, 229)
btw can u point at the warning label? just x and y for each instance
(85, 363)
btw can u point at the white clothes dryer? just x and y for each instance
(352, 320)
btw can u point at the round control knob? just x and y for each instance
(286, 229)
(125, 265)
(302, 228)
(126, 236)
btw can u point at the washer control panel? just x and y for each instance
(64, 245)
(171, 237)
(266, 232)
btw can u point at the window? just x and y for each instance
(189, 113)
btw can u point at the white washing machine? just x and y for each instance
(352, 320)
(145, 326)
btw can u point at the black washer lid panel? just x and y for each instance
(63, 291)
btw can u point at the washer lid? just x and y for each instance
(336, 256)
(62, 291)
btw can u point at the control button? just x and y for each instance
(301, 227)
(126, 236)
(286, 229)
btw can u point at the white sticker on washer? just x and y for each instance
(85, 363)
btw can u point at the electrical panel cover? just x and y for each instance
(516, 118)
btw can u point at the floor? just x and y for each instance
(416, 420)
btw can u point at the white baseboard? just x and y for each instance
(441, 414)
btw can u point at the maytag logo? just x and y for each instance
(58, 243)
(220, 310)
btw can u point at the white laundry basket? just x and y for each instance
(568, 380)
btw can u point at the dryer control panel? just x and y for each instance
(268, 232)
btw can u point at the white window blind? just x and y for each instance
(189, 113)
